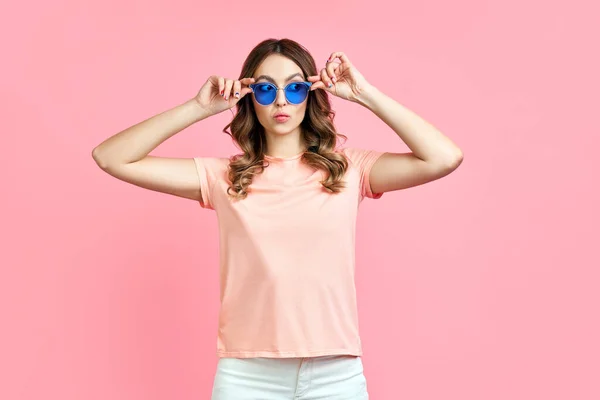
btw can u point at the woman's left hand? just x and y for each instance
(340, 79)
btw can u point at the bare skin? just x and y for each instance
(125, 155)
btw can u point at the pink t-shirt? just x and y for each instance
(287, 258)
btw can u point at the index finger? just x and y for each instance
(331, 67)
(246, 81)
(341, 55)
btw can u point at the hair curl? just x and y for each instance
(318, 131)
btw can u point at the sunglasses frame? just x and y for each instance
(253, 85)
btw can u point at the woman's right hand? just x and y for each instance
(219, 94)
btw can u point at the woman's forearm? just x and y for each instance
(137, 141)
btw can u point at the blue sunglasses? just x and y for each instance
(265, 93)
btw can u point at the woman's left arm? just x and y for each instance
(433, 154)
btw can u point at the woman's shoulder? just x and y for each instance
(214, 160)
(361, 158)
(212, 165)
(356, 154)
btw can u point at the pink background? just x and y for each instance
(482, 285)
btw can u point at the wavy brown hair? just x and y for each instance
(318, 131)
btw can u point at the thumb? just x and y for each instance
(245, 91)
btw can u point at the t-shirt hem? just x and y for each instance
(285, 354)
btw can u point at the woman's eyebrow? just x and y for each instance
(267, 77)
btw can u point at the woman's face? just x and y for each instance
(280, 71)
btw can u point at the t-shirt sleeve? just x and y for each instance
(363, 160)
(209, 170)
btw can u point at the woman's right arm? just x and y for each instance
(125, 154)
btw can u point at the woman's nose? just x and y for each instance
(280, 99)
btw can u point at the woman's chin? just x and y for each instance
(280, 129)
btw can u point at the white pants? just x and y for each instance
(337, 377)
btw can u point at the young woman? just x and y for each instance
(286, 209)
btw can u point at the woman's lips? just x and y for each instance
(282, 118)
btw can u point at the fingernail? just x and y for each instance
(222, 92)
(237, 94)
(333, 79)
(330, 85)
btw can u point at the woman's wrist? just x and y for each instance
(197, 111)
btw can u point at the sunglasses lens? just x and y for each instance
(265, 93)
(296, 92)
